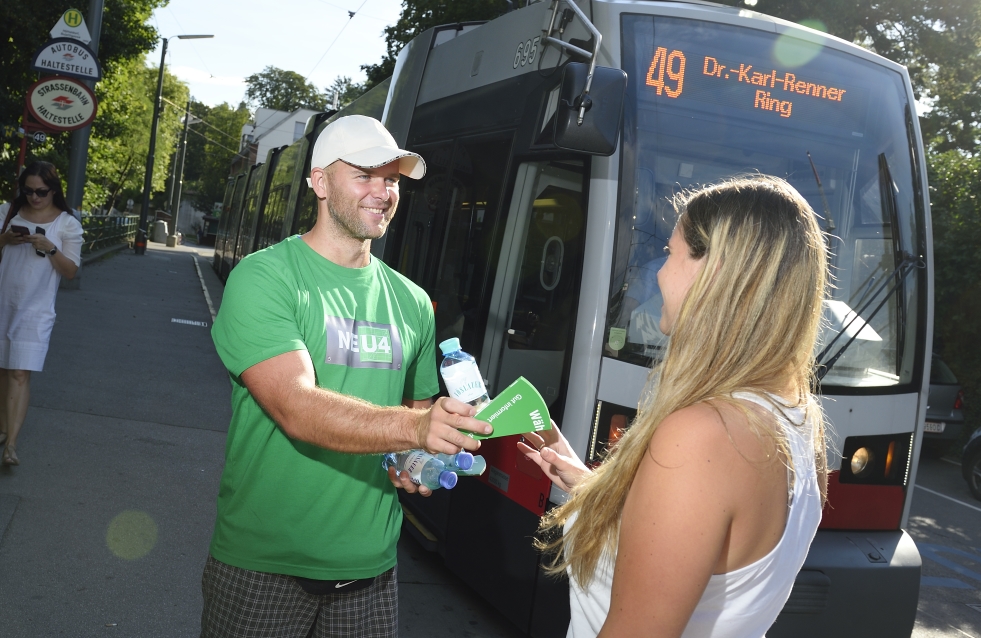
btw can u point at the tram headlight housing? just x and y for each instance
(862, 461)
(882, 459)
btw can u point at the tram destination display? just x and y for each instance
(758, 73)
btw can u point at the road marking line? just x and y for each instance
(952, 462)
(939, 581)
(926, 489)
(189, 322)
(204, 287)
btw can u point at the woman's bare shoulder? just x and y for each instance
(713, 429)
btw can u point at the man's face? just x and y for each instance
(362, 201)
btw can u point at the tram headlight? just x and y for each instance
(862, 461)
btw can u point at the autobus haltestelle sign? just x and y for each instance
(64, 56)
(61, 103)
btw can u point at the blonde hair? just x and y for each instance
(748, 323)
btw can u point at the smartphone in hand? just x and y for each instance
(19, 230)
(39, 231)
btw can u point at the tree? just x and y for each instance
(211, 146)
(346, 91)
(282, 90)
(121, 133)
(419, 15)
(25, 26)
(955, 202)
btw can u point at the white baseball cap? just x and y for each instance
(363, 142)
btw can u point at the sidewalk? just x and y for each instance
(104, 527)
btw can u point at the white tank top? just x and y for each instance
(745, 602)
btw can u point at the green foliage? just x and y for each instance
(211, 146)
(282, 90)
(419, 15)
(955, 201)
(346, 90)
(121, 134)
(25, 26)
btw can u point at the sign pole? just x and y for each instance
(78, 153)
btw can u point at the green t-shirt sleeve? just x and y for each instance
(257, 319)
(420, 378)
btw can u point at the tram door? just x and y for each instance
(536, 290)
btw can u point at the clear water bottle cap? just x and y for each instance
(447, 479)
(450, 345)
(464, 460)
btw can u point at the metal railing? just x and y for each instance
(102, 231)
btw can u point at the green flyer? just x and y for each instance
(516, 410)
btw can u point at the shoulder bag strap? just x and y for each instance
(10, 216)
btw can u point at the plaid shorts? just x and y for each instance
(242, 603)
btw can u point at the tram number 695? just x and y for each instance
(526, 52)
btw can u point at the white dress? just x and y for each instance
(742, 603)
(28, 286)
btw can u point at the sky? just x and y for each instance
(314, 38)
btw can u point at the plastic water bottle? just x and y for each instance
(461, 375)
(423, 468)
(479, 467)
(456, 462)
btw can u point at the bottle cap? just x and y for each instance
(450, 345)
(464, 460)
(447, 479)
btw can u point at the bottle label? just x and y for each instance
(463, 381)
(413, 462)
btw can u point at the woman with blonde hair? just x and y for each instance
(698, 521)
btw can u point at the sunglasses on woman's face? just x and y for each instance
(40, 192)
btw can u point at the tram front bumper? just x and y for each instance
(854, 584)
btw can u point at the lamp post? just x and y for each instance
(178, 183)
(141, 231)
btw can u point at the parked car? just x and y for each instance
(945, 411)
(971, 464)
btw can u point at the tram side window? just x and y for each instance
(449, 233)
(306, 209)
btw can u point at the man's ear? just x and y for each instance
(318, 182)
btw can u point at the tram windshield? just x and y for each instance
(709, 101)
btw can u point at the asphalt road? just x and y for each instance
(945, 522)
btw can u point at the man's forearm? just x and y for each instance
(342, 423)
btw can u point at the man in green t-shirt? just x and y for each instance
(332, 362)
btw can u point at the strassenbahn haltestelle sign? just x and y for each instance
(61, 103)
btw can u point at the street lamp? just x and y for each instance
(177, 184)
(141, 234)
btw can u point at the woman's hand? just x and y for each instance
(555, 456)
(40, 242)
(10, 238)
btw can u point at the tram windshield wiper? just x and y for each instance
(824, 199)
(898, 276)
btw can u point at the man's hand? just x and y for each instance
(439, 428)
(403, 482)
(555, 456)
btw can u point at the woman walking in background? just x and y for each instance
(700, 518)
(41, 242)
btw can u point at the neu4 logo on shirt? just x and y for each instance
(363, 344)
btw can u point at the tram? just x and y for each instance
(554, 137)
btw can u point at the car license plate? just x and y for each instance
(933, 426)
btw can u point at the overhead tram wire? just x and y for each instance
(198, 53)
(331, 45)
(201, 119)
(218, 144)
